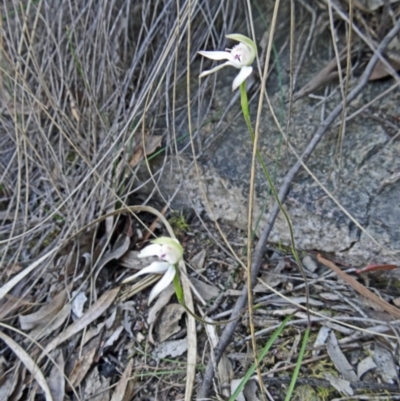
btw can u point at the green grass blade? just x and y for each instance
(264, 351)
(298, 365)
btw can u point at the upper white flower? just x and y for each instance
(240, 56)
(171, 252)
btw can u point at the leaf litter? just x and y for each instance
(100, 332)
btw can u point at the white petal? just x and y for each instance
(150, 250)
(218, 67)
(244, 73)
(155, 267)
(216, 55)
(165, 281)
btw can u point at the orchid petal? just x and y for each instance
(244, 73)
(150, 250)
(155, 268)
(165, 281)
(218, 67)
(216, 55)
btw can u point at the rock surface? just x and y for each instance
(365, 179)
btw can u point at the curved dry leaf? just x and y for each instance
(169, 323)
(56, 378)
(250, 390)
(130, 260)
(97, 309)
(343, 386)
(339, 360)
(206, 291)
(121, 389)
(114, 337)
(161, 301)
(322, 336)
(225, 369)
(45, 314)
(81, 367)
(7, 287)
(199, 259)
(17, 298)
(29, 364)
(364, 366)
(385, 364)
(234, 385)
(380, 71)
(39, 332)
(170, 348)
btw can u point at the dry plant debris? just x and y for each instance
(100, 348)
(80, 102)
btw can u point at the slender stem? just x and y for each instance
(245, 108)
(178, 288)
(246, 114)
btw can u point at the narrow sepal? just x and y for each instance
(154, 268)
(244, 73)
(165, 281)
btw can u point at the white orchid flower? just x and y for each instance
(171, 252)
(240, 56)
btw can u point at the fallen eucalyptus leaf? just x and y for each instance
(29, 364)
(96, 310)
(170, 348)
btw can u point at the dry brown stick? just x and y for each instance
(326, 384)
(258, 253)
(365, 292)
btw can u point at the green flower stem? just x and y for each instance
(246, 114)
(179, 294)
(178, 288)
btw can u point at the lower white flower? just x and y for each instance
(164, 268)
(171, 252)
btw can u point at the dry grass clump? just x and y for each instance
(79, 81)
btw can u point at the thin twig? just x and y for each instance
(326, 384)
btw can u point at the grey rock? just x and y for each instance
(365, 185)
